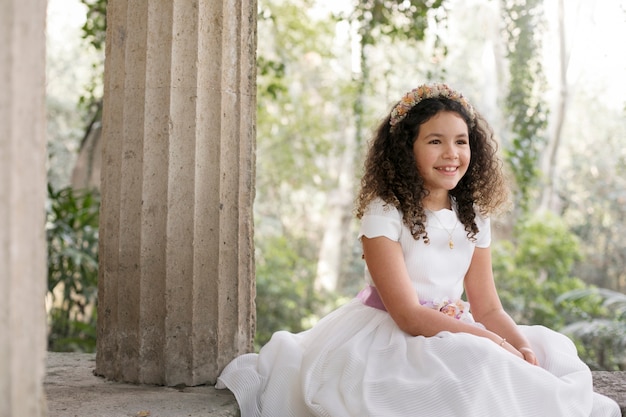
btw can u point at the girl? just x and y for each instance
(407, 345)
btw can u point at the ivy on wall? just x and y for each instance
(525, 107)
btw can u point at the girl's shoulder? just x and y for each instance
(379, 207)
(483, 223)
(381, 219)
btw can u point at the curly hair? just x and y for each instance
(391, 171)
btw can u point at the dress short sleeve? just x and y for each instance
(381, 219)
(483, 237)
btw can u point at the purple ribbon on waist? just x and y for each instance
(457, 309)
(369, 296)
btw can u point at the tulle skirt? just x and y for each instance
(356, 362)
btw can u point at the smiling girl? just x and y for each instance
(408, 344)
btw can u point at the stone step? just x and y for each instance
(72, 390)
(613, 385)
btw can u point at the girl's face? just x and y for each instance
(442, 151)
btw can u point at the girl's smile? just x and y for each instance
(449, 170)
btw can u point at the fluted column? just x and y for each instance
(22, 207)
(176, 284)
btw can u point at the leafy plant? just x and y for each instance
(72, 236)
(401, 19)
(601, 339)
(285, 299)
(533, 270)
(94, 29)
(94, 32)
(534, 276)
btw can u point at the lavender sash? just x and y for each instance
(457, 309)
(369, 296)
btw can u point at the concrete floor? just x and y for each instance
(72, 390)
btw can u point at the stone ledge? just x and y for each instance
(72, 390)
(613, 385)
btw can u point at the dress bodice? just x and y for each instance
(435, 269)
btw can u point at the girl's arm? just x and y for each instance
(486, 307)
(385, 262)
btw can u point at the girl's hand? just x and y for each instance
(511, 349)
(529, 355)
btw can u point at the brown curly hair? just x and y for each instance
(391, 170)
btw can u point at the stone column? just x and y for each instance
(22, 207)
(176, 284)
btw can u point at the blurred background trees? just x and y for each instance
(327, 72)
(72, 235)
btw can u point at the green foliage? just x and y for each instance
(601, 339)
(594, 200)
(527, 112)
(285, 299)
(94, 29)
(72, 237)
(394, 20)
(270, 78)
(94, 32)
(293, 117)
(534, 277)
(535, 269)
(400, 19)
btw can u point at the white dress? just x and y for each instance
(356, 362)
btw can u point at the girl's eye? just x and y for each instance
(435, 141)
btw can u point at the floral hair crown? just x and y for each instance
(423, 92)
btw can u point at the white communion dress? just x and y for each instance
(356, 362)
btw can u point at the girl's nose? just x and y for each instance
(451, 152)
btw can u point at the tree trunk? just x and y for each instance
(337, 227)
(337, 230)
(548, 196)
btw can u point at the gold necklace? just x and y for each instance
(449, 232)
